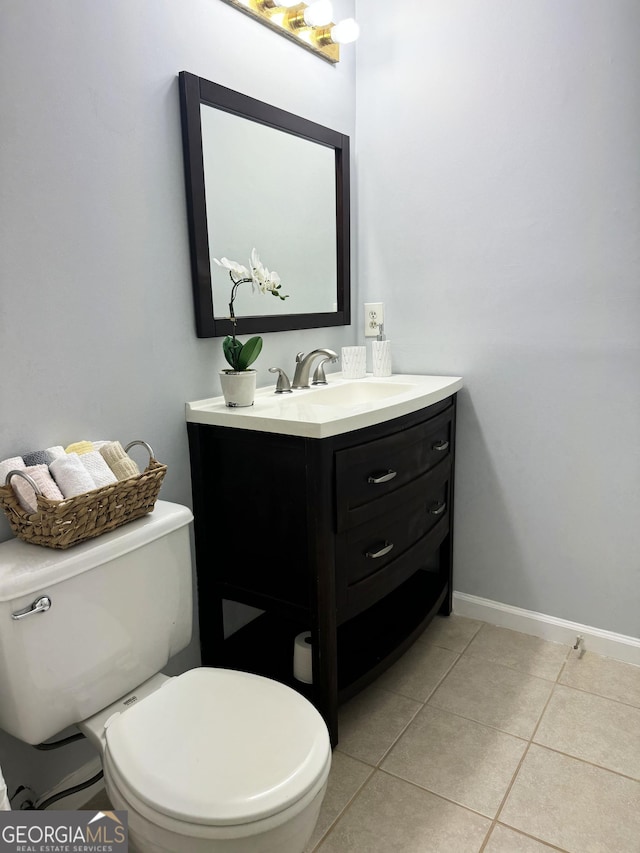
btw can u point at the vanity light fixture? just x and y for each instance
(307, 24)
(272, 4)
(345, 32)
(318, 14)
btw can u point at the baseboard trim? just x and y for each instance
(77, 800)
(607, 643)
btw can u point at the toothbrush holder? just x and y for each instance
(354, 362)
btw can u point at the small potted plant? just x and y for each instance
(239, 382)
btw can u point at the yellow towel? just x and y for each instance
(80, 447)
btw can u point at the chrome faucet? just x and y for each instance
(304, 363)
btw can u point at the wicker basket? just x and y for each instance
(60, 524)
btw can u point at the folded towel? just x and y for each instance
(101, 443)
(122, 465)
(54, 452)
(71, 475)
(112, 451)
(100, 472)
(37, 457)
(80, 447)
(124, 468)
(11, 464)
(43, 480)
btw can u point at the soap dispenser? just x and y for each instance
(381, 354)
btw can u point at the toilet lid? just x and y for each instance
(216, 746)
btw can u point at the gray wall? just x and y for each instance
(502, 232)
(96, 318)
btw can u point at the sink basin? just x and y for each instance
(341, 406)
(355, 393)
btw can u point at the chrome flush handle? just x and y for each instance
(40, 605)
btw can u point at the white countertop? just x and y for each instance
(347, 406)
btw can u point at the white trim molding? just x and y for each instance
(617, 646)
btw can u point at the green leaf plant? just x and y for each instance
(241, 356)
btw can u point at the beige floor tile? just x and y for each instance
(505, 840)
(494, 695)
(519, 651)
(578, 807)
(346, 778)
(604, 676)
(451, 632)
(419, 671)
(372, 721)
(461, 760)
(595, 729)
(391, 815)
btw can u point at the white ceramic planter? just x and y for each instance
(238, 387)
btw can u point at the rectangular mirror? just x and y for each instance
(259, 177)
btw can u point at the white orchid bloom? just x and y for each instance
(266, 280)
(234, 267)
(259, 276)
(257, 271)
(256, 263)
(272, 281)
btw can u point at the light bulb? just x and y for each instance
(318, 14)
(345, 31)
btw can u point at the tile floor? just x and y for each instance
(484, 739)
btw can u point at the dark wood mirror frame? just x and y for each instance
(195, 91)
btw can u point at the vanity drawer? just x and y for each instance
(373, 558)
(372, 471)
(355, 597)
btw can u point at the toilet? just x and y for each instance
(209, 760)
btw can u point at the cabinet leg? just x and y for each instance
(447, 605)
(446, 563)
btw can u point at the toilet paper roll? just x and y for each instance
(302, 658)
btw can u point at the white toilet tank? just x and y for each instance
(121, 606)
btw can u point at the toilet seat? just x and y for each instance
(164, 752)
(144, 820)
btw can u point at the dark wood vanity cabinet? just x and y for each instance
(349, 537)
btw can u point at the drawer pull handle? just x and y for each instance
(382, 477)
(374, 555)
(440, 446)
(438, 509)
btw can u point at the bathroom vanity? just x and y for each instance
(329, 516)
